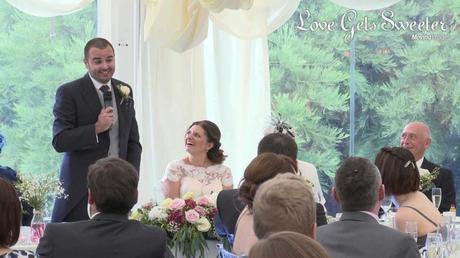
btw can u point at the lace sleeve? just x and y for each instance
(173, 172)
(227, 178)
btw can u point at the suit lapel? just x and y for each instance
(90, 95)
(426, 164)
(120, 109)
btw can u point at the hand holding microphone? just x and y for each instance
(106, 117)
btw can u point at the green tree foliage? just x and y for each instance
(398, 79)
(37, 55)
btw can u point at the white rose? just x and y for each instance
(203, 224)
(423, 172)
(125, 90)
(157, 213)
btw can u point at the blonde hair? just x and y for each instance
(287, 244)
(284, 203)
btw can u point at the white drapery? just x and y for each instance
(367, 5)
(224, 79)
(49, 8)
(202, 68)
(183, 24)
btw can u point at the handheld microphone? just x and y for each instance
(107, 95)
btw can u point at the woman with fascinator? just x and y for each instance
(401, 179)
(306, 169)
(201, 171)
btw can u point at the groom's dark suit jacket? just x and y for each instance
(104, 236)
(444, 181)
(76, 111)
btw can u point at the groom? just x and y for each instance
(94, 119)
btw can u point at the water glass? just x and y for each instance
(411, 229)
(25, 237)
(434, 245)
(436, 196)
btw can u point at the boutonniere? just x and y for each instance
(124, 92)
(427, 178)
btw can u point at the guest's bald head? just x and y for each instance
(416, 137)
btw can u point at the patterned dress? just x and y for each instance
(199, 180)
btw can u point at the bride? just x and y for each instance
(201, 171)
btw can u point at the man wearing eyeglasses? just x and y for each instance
(416, 137)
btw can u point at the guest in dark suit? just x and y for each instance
(112, 192)
(94, 118)
(359, 190)
(416, 137)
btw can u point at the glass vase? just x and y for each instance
(37, 226)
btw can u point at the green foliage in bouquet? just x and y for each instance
(427, 178)
(37, 189)
(187, 222)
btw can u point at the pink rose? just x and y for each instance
(192, 216)
(177, 204)
(200, 210)
(203, 200)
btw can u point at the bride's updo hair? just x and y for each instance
(263, 167)
(215, 154)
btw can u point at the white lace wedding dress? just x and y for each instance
(199, 180)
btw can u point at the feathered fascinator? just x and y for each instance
(278, 125)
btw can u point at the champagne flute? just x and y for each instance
(411, 229)
(436, 196)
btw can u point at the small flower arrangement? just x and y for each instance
(37, 189)
(124, 92)
(187, 222)
(427, 178)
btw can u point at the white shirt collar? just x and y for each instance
(419, 162)
(98, 84)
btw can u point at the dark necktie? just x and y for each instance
(106, 95)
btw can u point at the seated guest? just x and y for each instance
(201, 171)
(416, 137)
(229, 206)
(287, 244)
(284, 203)
(9, 174)
(112, 192)
(10, 221)
(401, 179)
(263, 167)
(305, 169)
(359, 190)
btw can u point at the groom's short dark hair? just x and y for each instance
(113, 185)
(99, 43)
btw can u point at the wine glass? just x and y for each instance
(436, 196)
(411, 229)
(434, 245)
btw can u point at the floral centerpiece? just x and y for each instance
(187, 221)
(427, 178)
(37, 190)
